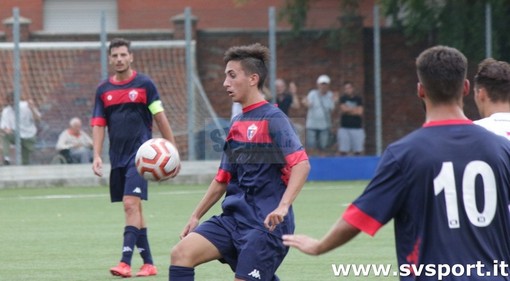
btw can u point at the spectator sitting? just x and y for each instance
(76, 142)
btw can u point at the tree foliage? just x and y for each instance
(296, 13)
(460, 24)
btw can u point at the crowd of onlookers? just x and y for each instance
(73, 146)
(322, 135)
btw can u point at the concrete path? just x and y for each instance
(192, 172)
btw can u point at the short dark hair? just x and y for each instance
(253, 58)
(494, 77)
(119, 42)
(442, 71)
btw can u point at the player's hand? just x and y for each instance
(97, 166)
(275, 218)
(303, 243)
(192, 224)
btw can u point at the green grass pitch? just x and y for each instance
(57, 234)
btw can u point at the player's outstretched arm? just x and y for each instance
(213, 194)
(341, 233)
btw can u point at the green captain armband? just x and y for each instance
(156, 107)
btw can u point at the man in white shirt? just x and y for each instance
(75, 142)
(492, 96)
(320, 103)
(28, 115)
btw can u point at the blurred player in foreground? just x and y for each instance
(446, 185)
(127, 102)
(263, 168)
(492, 96)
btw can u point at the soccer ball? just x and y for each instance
(157, 159)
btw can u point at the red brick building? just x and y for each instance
(156, 14)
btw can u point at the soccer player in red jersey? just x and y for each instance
(127, 103)
(263, 168)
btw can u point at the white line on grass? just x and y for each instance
(176, 192)
(82, 196)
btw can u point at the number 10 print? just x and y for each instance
(445, 180)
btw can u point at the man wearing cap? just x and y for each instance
(320, 104)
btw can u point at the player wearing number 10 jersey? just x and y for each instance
(445, 185)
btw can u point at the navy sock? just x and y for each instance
(181, 273)
(142, 243)
(130, 237)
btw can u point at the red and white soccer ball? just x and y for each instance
(157, 159)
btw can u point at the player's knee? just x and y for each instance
(179, 256)
(131, 206)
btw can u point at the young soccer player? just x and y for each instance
(446, 185)
(492, 96)
(263, 168)
(126, 103)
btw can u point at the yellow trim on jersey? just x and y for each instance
(156, 107)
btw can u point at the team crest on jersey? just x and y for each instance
(133, 94)
(252, 130)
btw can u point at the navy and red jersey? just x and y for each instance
(259, 152)
(124, 108)
(447, 187)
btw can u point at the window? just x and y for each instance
(79, 16)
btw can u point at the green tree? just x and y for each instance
(296, 11)
(460, 24)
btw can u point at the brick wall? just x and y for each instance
(300, 60)
(303, 60)
(224, 14)
(54, 77)
(402, 111)
(31, 9)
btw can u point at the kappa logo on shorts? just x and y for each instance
(255, 274)
(137, 190)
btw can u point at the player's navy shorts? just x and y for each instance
(253, 254)
(127, 181)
